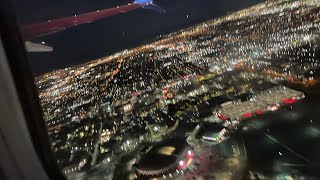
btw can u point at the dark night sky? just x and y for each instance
(90, 41)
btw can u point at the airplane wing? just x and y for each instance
(32, 31)
(44, 28)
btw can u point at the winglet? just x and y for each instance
(143, 2)
(149, 4)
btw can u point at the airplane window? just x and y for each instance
(177, 89)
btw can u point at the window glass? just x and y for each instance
(178, 89)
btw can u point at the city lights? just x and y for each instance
(206, 84)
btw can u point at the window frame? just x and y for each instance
(18, 84)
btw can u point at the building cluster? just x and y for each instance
(259, 103)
